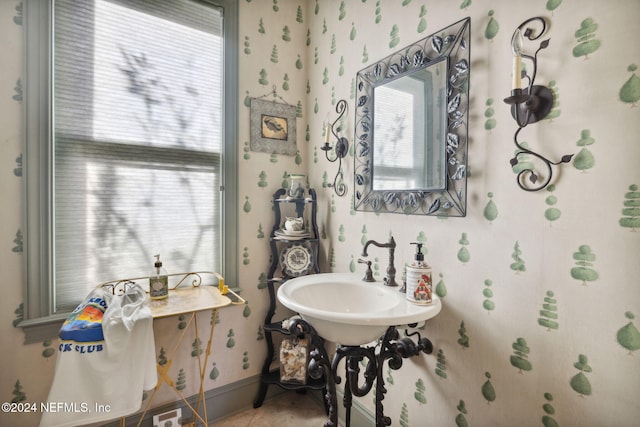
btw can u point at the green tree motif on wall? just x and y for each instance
(378, 13)
(389, 378)
(263, 77)
(518, 263)
(631, 210)
(584, 261)
(492, 27)
(461, 420)
(18, 248)
(520, 358)
(393, 35)
(247, 151)
(463, 252)
(162, 357)
(489, 112)
(343, 11)
(352, 265)
(181, 322)
(441, 364)
(628, 336)
(419, 393)
(553, 4)
(262, 281)
(181, 382)
(48, 350)
(245, 360)
(404, 416)
(464, 339)
(196, 347)
(441, 288)
(18, 91)
(422, 23)
(19, 312)
(552, 213)
(549, 410)
(18, 393)
(524, 161)
(215, 373)
(585, 38)
(299, 17)
(17, 171)
(488, 304)
(487, 389)
(630, 91)
(17, 19)
(490, 210)
(262, 182)
(579, 382)
(555, 105)
(584, 159)
(230, 341)
(245, 256)
(548, 315)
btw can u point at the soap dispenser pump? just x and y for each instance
(158, 281)
(419, 284)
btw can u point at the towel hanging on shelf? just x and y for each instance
(106, 359)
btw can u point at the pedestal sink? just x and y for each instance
(345, 310)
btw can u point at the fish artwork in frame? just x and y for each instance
(273, 127)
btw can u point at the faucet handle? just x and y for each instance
(368, 275)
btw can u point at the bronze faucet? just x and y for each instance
(390, 280)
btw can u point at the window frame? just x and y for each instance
(38, 321)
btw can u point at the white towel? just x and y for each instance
(106, 359)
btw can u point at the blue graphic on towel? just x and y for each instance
(84, 324)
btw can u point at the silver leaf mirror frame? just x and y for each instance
(445, 193)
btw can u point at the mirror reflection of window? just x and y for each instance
(409, 131)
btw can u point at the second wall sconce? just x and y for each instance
(341, 149)
(531, 104)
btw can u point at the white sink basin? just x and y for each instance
(345, 310)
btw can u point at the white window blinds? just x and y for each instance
(137, 143)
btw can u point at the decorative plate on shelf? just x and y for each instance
(296, 260)
(291, 235)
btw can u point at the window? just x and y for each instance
(129, 152)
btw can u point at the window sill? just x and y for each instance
(43, 328)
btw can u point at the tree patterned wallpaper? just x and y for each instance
(539, 290)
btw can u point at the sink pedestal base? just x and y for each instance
(391, 348)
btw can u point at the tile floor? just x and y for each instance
(286, 410)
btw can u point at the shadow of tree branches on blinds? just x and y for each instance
(171, 118)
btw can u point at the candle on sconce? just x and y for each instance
(327, 132)
(516, 47)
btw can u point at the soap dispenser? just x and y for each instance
(419, 285)
(158, 281)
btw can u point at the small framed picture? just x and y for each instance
(273, 127)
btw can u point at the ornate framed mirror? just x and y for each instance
(411, 132)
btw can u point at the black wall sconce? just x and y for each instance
(531, 104)
(342, 146)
